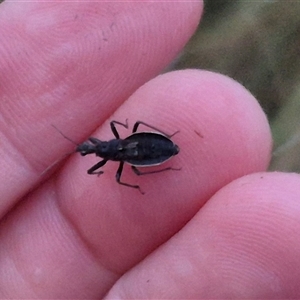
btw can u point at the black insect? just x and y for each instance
(140, 149)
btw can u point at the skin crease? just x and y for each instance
(207, 231)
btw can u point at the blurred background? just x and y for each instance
(257, 43)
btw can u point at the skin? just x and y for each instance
(221, 227)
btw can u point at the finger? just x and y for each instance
(72, 65)
(234, 129)
(243, 244)
(52, 266)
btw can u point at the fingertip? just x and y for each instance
(224, 132)
(242, 244)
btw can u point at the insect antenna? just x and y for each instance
(66, 137)
(59, 160)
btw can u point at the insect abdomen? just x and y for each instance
(150, 149)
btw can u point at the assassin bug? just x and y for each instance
(140, 149)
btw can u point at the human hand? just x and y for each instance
(196, 233)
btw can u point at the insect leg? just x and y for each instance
(138, 172)
(118, 178)
(93, 169)
(137, 123)
(113, 127)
